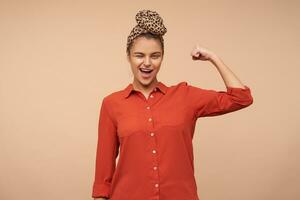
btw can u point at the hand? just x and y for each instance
(201, 53)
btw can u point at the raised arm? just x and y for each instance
(229, 78)
(209, 102)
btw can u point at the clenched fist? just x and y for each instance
(201, 53)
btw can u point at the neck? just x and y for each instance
(146, 88)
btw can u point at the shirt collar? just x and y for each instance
(127, 91)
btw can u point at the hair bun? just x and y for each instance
(150, 21)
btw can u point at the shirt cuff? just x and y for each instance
(101, 190)
(232, 90)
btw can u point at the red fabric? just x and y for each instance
(153, 138)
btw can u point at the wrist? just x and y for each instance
(213, 58)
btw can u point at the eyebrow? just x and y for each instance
(157, 52)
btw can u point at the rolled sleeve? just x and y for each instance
(208, 102)
(106, 153)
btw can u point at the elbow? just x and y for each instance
(246, 97)
(251, 101)
(241, 96)
(247, 102)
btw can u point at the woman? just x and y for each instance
(151, 125)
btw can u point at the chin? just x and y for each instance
(146, 81)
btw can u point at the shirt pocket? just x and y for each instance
(172, 116)
(130, 123)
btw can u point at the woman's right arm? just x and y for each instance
(101, 198)
(106, 152)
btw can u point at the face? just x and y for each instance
(145, 59)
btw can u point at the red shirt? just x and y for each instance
(153, 139)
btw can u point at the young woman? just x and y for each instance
(151, 125)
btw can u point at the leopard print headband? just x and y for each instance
(147, 21)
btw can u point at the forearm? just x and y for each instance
(229, 78)
(101, 198)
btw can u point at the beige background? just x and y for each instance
(58, 59)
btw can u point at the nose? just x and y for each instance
(147, 61)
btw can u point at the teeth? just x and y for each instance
(146, 70)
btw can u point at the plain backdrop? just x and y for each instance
(58, 59)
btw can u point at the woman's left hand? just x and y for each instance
(201, 53)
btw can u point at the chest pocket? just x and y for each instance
(172, 117)
(130, 123)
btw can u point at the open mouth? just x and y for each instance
(148, 71)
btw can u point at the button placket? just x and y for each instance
(153, 146)
(155, 169)
(155, 163)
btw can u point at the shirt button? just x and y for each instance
(156, 185)
(151, 134)
(151, 96)
(150, 119)
(155, 168)
(148, 107)
(153, 151)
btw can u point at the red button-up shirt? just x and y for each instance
(153, 139)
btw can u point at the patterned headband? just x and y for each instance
(147, 21)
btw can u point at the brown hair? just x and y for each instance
(147, 35)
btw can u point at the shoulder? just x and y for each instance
(179, 85)
(113, 96)
(189, 90)
(180, 88)
(182, 85)
(109, 102)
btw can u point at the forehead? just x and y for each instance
(143, 44)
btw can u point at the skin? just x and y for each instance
(204, 54)
(145, 53)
